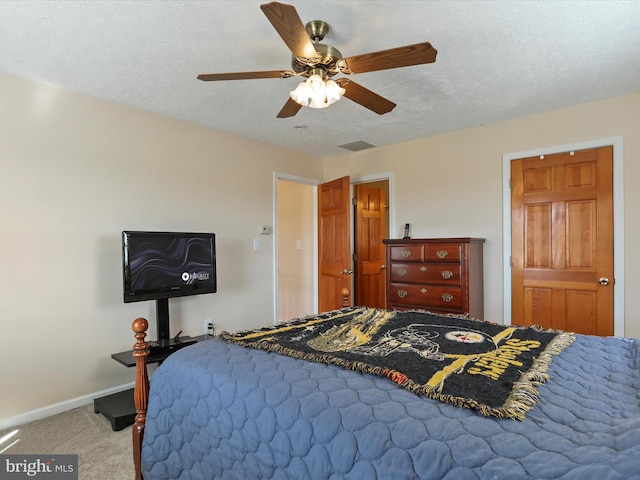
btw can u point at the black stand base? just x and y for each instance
(118, 408)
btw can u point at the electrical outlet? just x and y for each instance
(208, 327)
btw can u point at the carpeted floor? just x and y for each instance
(102, 453)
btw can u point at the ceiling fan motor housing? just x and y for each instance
(328, 56)
(326, 60)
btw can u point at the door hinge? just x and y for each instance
(354, 201)
(511, 261)
(509, 183)
(355, 257)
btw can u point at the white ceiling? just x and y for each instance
(496, 60)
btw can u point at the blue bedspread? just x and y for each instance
(218, 410)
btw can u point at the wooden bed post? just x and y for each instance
(140, 392)
(345, 297)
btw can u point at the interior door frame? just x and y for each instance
(379, 177)
(314, 182)
(618, 221)
(376, 177)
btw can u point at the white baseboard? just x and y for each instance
(49, 410)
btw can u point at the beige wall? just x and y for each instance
(75, 172)
(452, 184)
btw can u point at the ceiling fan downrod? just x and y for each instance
(317, 29)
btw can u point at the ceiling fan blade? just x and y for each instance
(416, 54)
(286, 21)
(212, 77)
(365, 97)
(290, 109)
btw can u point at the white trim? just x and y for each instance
(56, 408)
(295, 178)
(309, 181)
(316, 267)
(618, 220)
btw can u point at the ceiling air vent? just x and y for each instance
(357, 146)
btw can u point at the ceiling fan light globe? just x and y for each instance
(316, 84)
(318, 102)
(302, 94)
(317, 93)
(333, 91)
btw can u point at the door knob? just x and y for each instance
(346, 272)
(603, 281)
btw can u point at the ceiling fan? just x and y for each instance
(318, 63)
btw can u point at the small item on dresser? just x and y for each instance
(406, 230)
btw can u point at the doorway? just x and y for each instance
(371, 226)
(295, 247)
(296, 263)
(514, 245)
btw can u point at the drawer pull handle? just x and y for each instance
(447, 274)
(402, 272)
(447, 297)
(423, 268)
(402, 293)
(441, 253)
(423, 290)
(405, 253)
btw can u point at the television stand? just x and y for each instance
(119, 408)
(169, 345)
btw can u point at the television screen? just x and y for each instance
(167, 264)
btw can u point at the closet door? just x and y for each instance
(562, 241)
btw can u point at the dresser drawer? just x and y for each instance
(443, 252)
(442, 297)
(406, 253)
(440, 273)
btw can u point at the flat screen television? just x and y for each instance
(162, 265)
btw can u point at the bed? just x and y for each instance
(228, 410)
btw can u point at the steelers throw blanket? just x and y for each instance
(488, 367)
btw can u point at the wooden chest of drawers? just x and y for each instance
(442, 275)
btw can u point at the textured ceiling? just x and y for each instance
(496, 60)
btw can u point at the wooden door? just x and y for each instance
(562, 241)
(369, 250)
(334, 243)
